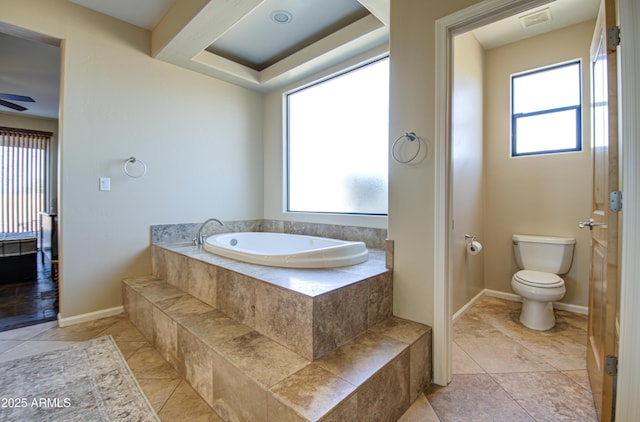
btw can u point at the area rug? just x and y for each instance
(88, 381)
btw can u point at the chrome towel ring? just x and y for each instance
(409, 137)
(135, 168)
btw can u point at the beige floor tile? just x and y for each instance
(146, 363)
(462, 362)
(79, 332)
(128, 348)
(122, 330)
(473, 325)
(489, 305)
(420, 411)
(158, 391)
(475, 398)
(549, 396)
(6, 345)
(563, 353)
(27, 333)
(29, 348)
(499, 355)
(581, 377)
(572, 319)
(185, 405)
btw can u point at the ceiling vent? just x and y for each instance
(535, 18)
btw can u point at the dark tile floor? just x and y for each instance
(29, 302)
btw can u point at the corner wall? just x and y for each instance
(467, 168)
(412, 188)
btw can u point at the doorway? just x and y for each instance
(475, 16)
(495, 194)
(30, 71)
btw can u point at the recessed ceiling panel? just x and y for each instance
(261, 38)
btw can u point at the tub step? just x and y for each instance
(245, 375)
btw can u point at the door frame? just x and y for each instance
(472, 17)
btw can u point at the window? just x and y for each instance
(338, 143)
(546, 111)
(23, 181)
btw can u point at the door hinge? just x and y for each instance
(613, 36)
(615, 201)
(611, 365)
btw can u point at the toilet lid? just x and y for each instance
(538, 279)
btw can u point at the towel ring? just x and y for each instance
(409, 137)
(132, 161)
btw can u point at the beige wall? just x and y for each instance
(45, 125)
(200, 138)
(412, 188)
(545, 194)
(467, 168)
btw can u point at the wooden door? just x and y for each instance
(603, 283)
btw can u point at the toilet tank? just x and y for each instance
(543, 253)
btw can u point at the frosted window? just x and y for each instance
(546, 111)
(338, 143)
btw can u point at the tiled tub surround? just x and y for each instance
(183, 233)
(310, 311)
(262, 343)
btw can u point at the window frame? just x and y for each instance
(287, 141)
(577, 108)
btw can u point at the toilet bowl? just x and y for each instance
(538, 291)
(541, 259)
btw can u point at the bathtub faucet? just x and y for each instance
(199, 240)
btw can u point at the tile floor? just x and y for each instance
(502, 371)
(29, 302)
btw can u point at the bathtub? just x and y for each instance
(286, 250)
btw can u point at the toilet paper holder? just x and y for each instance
(472, 245)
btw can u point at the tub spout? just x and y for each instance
(199, 240)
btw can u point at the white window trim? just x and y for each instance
(360, 220)
(581, 112)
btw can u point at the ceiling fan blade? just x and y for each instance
(12, 105)
(13, 97)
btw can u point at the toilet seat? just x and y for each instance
(538, 279)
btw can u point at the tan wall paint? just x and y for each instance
(200, 138)
(467, 168)
(546, 194)
(412, 188)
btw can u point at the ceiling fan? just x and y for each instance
(13, 97)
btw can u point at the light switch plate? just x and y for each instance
(105, 183)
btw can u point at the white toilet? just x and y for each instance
(541, 259)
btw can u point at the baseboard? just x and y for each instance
(91, 316)
(503, 295)
(468, 305)
(577, 309)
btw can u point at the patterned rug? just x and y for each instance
(88, 381)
